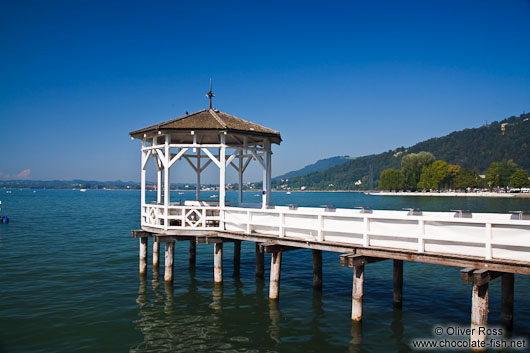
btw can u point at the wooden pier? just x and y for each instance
(485, 246)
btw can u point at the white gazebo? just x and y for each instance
(201, 138)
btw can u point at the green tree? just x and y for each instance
(519, 179)
(391, 179)
(499, 173)
(433, 175)
(412, 166)
(467, 178)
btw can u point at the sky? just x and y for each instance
(334, 77)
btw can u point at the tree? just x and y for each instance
(519, 179)
(467, 178)
(412, 165)
(391, 179)
(433, 175)
(499, 173)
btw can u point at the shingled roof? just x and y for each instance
(210, 120)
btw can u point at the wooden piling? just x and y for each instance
(193, 252)
(143, 256)
(317, 269)
(357, 293)
(507, 282)
(260, 262)
(218, 262)
(237, 257)
(479, 312)
(156, 254)
(168, 271)
(398, 283)
(274, 286)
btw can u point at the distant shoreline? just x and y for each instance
(451, 194)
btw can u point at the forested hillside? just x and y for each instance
(473, 148)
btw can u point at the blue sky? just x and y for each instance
(335, 77)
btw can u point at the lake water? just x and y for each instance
(69, 283)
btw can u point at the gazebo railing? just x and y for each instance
(180, 217)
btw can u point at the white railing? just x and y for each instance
(192, 216)
(487, 235)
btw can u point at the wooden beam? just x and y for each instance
(466, 275)
(479, 277)
(272, 248)
(138, 233)
(173, 238)
(352, 260)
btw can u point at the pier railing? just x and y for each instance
(180, 217)
(486, 235)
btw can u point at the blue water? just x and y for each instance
(69, 283)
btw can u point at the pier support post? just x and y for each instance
(357, 293)
(143, 256)
(260, 262)
(218, 262)
(317, 269)
(156, 254)
(168, 271)
(507, 301)
(237, 257)
(479, 311)
(193, 252)
(398, 283)
(274, 286)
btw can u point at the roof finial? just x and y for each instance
(210, 95)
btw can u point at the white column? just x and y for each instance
(142, 182)
(266, 175)
(159, 185)
(222, 170)
(240, 179)
(158, 174)
(198, 189)
(167, 157)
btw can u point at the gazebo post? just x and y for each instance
(158, 175)
(142, 179)
(167, 158)
(222, 169)
(240, 179)
(198, 189)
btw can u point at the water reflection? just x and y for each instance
(357, 336)
(275, 316)
(397, 330)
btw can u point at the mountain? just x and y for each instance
(474, 148)
(315, 167)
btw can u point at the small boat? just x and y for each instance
(82, 190)
(8, 192)
(181, 193)
(288, 193)
(4, 219)
(214, 196)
